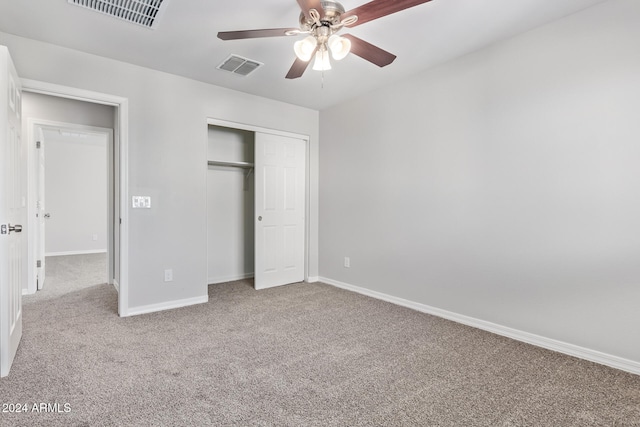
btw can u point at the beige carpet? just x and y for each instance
(69, 273)
(299, 355)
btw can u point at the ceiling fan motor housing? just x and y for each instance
(329, 16)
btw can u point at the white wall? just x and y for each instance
(167, 159)
(75, 193)
(230, 206)
(504, 185)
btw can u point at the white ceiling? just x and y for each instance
(185, 41)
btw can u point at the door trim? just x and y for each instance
(307, 176)
(121, 132)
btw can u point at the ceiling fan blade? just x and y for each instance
(371, 53)
(378, 8)
(253, 34)
(299, 67)
(307, 5)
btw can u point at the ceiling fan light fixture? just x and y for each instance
(304, 48)
(339, 46)
(322, 62)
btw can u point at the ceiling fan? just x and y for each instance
(321, 20)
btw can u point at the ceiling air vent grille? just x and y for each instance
(238, 65)
(141, 12)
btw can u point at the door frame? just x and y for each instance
(307, 176)
(120, 139)
(34, 229)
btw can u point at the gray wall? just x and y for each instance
(75, 193)
(230, 206)
(504, 185)
(167, 158)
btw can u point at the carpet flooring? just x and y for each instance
(297, 355)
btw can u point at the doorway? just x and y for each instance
(74, 242)
(75, 139)
(117, 180)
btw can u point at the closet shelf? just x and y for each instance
(244, 165)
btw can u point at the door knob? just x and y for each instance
(259, 218)
(8, 228)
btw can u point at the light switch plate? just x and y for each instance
(141, 202)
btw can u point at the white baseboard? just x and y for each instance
(116, 285)
(529, 338)
(93, 251)
(224, 279)
(169, 305)
(313, 279)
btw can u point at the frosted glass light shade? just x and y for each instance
(304, 48)
(339, 46)
(322, 62)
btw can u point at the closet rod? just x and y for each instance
(245, 165)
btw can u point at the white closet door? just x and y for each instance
(279, 205)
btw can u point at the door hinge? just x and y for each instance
(3, 229)
(38, 144)
(39, 263)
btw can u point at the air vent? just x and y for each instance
(141, 12)
(238, 65)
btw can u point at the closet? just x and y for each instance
(256, 206)
(230, 204)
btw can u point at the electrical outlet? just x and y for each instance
(347, 262)
(168, 275)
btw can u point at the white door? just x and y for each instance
(40, 210)
(279, 210)
(12, 208)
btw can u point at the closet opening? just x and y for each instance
(230, 204)
(257, 205)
